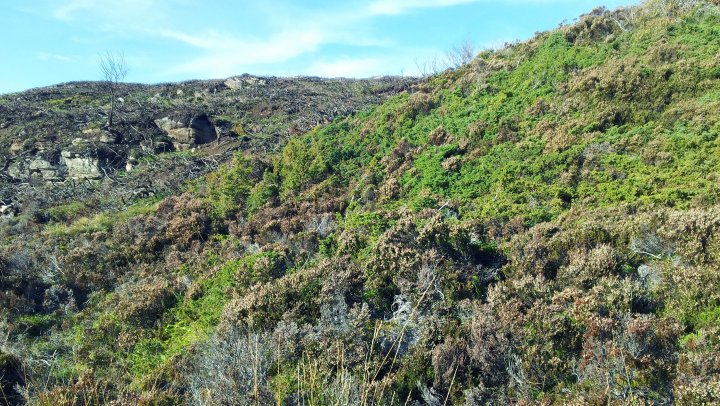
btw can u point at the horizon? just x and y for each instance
(176, 41)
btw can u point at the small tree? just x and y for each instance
(460, 54)
(113, 69)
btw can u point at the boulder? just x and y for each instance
(240, 82)
(130, 164)
(7, 210)
(40, 167)
(17, 171)
(175, 129)
(81, 167)
(198, 130)
(109, 138)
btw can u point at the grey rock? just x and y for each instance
(198, 131)
(240, 82)
(81, 167)
(44, 169)
(16, 147)
(18, 171)
(7, 210)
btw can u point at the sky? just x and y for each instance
(53, 41)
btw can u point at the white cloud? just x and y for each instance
(129, 11)
(288, 33)
(381, 7)
(225, 55)
(395, 7)
(67, 10)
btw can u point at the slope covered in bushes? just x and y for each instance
(538, 226)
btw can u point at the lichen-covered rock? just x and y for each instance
(81, 167)
(41, 168)
(240, 82)
(17, 171)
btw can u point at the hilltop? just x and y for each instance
(539, 226)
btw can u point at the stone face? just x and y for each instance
(17, 171)
(182, 135)
(71, 165)
(199, 131)
(167, 124)
(175, 129)
(240, 82)
(81, 167)
(41, 168)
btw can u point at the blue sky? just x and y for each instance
(53, 41)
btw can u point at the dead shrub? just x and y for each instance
(450, 363)
(232, 368)
(439, 136)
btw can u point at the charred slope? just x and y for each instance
(57, 139)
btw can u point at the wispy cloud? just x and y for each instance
(218, 52)
(296, 33)
(224, 55)
(402, 6)
(65, 11)
(287, 34)
(108, 10)
(395, 7)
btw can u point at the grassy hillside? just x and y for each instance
(540, 226)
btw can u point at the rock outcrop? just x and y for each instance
(40, 168)
(244, 81)
(185, 134)
(81, 167)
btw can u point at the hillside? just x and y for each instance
(57, 140)
(539, 226)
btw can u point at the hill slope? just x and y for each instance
(539, 226)
(57, 139)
